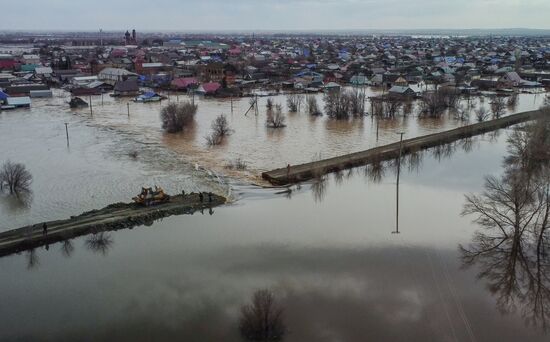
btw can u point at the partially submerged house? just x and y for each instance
(18, 102)
(114, 75)
(126, 88)
(404, 91)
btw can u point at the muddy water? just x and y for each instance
(327, 252)
(93, 171)
(98, 167)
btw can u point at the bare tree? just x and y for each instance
(482, 114)
(176, 116)
(220, 129)
(294, 101)
(15, 177)
(498, 105)
(462, 113)
(262, 320)
(237, 164)
(433, 104)
(512, 100)
(342, 105)
(276, 118)
(313, 107)
(269, 104)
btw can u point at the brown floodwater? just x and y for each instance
(326, 249)
(327, 252)
(98, 168)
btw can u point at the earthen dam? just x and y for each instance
(303, 172)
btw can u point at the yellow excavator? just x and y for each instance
(148, 196)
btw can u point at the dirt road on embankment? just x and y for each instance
(113, 217)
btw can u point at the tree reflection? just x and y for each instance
(32, 259)
(262, 320)
(67, 248)
(511, 249)
(100, 242)
(375, 171)
(17, 202)
(319, 188)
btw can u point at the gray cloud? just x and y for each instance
(274, 14)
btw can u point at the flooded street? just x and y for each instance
(326, 248)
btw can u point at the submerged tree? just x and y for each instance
(482, 114)
(498, 105)
(15, 178)
(220, 129)
(262, 320)
(176, 116)
(269, 104)
(276, 118)
(433, 104)
(342, 105)
(313, 107)
(294, 101)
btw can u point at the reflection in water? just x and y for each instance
(262, 320)
(16, 203)
(413, 161)
(100, 242)
(32, 259)
(67, 248)
(338, 177)
(319, 187)
(375, 171)
(443, 151)
(511, 250)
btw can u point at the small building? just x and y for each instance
(184, 83)
(3, 97)
(126, 88)
(30, 59)
(400, 81)
(7, 62)
(82, 81)
(25, 89)
(43, 71)
(41, 93)
(401, 91)
(209, 88)
(19, 102)
(331, 86)
(359, 80)
(114, 75)
(510, 79)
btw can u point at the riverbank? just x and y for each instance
(113, 217)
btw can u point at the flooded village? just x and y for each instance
(274, 186)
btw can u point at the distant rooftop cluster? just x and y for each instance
(232, 65)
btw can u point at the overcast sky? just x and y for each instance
(175, 15)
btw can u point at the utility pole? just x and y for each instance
(128, 106)
(377, 126)
(91, 109)
(231, 104)
(397, 186)
(67, 133)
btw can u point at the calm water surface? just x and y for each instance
(327, 251)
